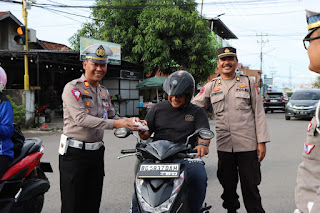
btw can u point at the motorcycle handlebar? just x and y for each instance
(128, 151)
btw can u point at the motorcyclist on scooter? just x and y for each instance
(175, 119)
(6, 127)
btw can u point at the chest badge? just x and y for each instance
(216, 90)
(76, 93)
(242, 86)
(189, 118)
(86, 91)
(86, 84)
(308, 148)
(103, 95)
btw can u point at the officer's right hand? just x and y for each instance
(128, 122)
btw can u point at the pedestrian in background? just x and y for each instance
(241, 131)
(307, 191)
(6, 127)
(87, 112)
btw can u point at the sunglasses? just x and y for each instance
(306, 41)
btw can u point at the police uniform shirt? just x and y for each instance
(238, 108)
(308, 178)
(175, 124)
(87, 111)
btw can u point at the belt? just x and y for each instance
(88, 146)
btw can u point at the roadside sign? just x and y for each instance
(114, 59)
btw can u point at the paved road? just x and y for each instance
(278, 169)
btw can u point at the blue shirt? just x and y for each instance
(6, 128)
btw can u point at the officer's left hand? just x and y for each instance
(261, 151)
(202, 150)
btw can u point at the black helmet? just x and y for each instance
(180, 83)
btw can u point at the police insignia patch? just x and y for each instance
(202, 90)
(309, 126)
(76, 93)
(189, 118)
(88, 103)
(103, 95)
(256, 86)
(308, 148)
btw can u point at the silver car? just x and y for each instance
(302, 103)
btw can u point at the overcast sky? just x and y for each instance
(282, 24)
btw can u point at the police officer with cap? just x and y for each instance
(241, 131)
(87, 112)
(307, 191)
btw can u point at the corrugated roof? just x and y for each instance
(55, 46)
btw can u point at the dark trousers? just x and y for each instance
(196, 185)
(245, 165)
(5, 161)
(81, 180)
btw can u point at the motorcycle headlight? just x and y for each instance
(166, 205)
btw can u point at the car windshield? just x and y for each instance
(305, 96)
(274, 95)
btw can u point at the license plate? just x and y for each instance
(159, 170)
(301, 112)
(273, 101)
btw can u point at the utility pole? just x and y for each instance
(201, 8)
(272, 72)
(261, 42)
(25, 6)
(290, 79)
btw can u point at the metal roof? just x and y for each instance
(218, 27)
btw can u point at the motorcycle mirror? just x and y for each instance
(122, 132)
(203, 133)
(206, 134)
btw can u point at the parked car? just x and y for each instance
(274, 101)
(302, 103)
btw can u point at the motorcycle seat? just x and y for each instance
(24, 152)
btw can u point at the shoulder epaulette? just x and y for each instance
(244, 75)
(103, 86)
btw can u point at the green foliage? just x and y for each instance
(289, 94)
(157, 34)
(317, 82)
(19, 112)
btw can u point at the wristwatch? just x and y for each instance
(203, 144)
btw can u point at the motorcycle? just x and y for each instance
(160, 183)
(23, 185)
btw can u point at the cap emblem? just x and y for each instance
(100, 52)
(226, 50)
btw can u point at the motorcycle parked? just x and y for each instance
(160, 183)
(23, 185)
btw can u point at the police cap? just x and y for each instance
(98, 53)
(226, 51)
(313, 15)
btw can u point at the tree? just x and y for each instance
(158, 34)
(317, 82)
